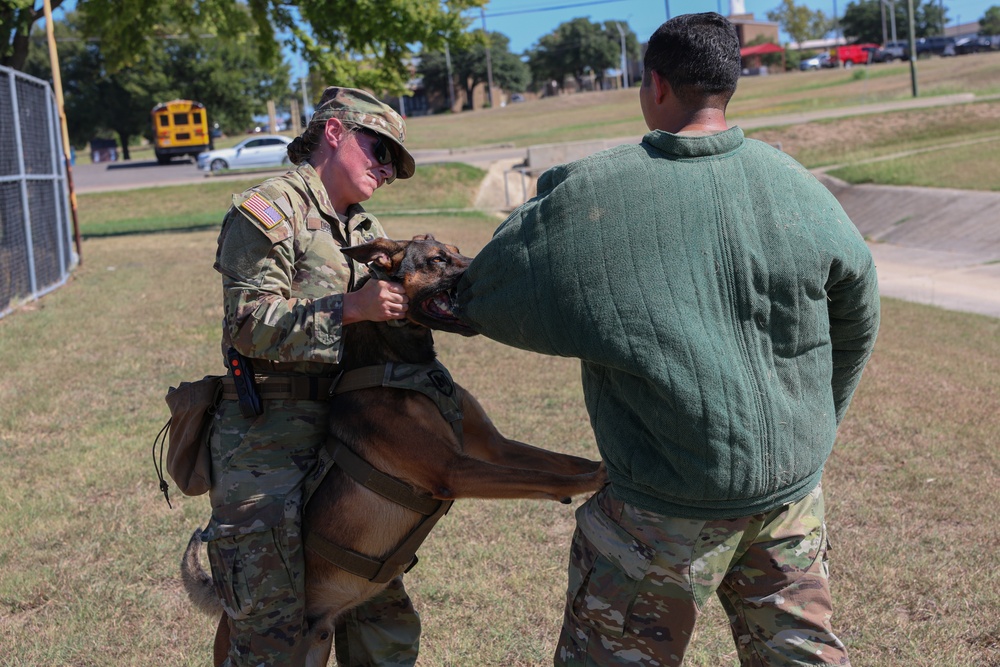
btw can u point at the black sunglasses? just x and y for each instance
(381, 151)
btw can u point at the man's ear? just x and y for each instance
(379, 252)
(661, 87)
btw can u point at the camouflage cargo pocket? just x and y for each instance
(249, 562)
(608, 564)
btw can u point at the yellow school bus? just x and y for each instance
(180, 127)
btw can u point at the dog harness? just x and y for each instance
(434, 381)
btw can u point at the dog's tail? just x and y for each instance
(197, 582)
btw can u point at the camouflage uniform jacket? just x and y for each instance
(284, 277)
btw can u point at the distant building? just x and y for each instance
(747, 28)
(962, 29)
(750, 30)
(757, 38)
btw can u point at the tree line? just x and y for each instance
(863, 20)
(121, 57)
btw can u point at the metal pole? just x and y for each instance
(489, 63)
(836, 22)
(668, 9)
(892, 4)
(305, 97)
(913, 48)
(624, 58)
(60, 212)
(884, 36)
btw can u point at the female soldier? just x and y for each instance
(286, 296)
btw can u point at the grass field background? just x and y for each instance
(89, 551)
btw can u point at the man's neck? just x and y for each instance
(703, 121)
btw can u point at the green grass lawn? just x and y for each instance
(203, 205)
(88, 562)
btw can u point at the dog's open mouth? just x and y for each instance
(438, 312)
(441, 306)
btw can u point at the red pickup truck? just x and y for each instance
(853, 54)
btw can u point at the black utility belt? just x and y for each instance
(284, 388)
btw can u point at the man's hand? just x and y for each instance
(376, 301)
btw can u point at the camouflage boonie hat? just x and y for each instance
(358, 107)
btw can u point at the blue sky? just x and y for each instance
(524, 27)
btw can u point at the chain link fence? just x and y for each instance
(36, 249)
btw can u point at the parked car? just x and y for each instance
(936, 46)
(973, 44)
(818, 61)
(900, 50)
(852, 54)
(261, 150)
(880, 55)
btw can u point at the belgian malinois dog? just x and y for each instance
(407, 437)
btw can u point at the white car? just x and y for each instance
(818, 61)
(260, 150)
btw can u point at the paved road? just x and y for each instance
(106, 177)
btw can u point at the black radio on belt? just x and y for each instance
(246, 388)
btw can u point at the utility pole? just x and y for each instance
(836, 22)
(624, 58)
(913, 48)
(305, 97)
(892, 9)
(57, 85)
(489, 63)
(884, 38)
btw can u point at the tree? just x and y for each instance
(230, 82)
(362, 43)
(17, 17)
(219, 74)
(800, 22)
(579, 47)
(862, 20)
(990, 23)
(469, 66)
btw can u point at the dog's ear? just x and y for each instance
(379, 252)
(424, 237)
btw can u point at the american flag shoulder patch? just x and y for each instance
(262, 209)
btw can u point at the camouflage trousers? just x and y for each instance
(638, 581)
(255, 546)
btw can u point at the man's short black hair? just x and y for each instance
(698, 55)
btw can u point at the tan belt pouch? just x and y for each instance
(192, 405)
